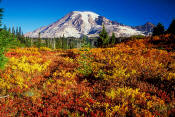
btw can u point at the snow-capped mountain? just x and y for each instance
(77, 24)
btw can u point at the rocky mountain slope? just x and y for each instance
(146, 28)
(77, 23)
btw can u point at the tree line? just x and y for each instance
(59, 43)
(104, 40)
(13, 37)
(17, 31)
(160, 29)
(7, 40)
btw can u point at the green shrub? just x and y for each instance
(3, 59)
(137, 37)
(85, 60)
(7, 41)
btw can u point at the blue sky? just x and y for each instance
(32, 14)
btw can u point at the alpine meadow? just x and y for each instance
(84, 64)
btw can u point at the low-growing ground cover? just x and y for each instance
(130, 79)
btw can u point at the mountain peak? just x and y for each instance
(149, 23)
(147, 28)
(85, 12)
(78, 23)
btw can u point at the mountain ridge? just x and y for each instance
(79, 23)
(147, 28)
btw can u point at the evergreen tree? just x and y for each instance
(63, 42)
(1, 14)
(9, 30)
(171, 28)
(59, 43)
(13, 30)
(112, 40)
(6, 42)
(54, 43)
(39, 40)
(17, 32)
(5, 27)
(20, 31)
(20, 36)
(103, 39)
(31, 42)
(46, 43)
(158, 30)
(1, 11)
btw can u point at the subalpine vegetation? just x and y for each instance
(133, 78)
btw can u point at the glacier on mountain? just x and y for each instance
(79, 23)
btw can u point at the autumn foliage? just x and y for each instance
(134, 78)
